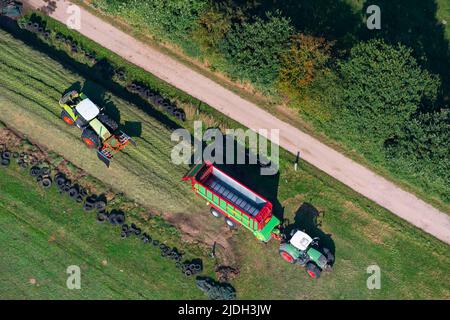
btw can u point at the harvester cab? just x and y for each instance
(98, 130)
(303, 250)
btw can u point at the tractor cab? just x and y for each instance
(301, 240)
(87, 109)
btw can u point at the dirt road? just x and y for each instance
(385, 193)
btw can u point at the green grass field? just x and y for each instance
(413, 264)
(42, 233)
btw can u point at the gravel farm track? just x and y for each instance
(383, 192)
(414, 264)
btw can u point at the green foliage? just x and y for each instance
(173, 19)
(253, 49)
(212, 27)
(300, 65)
(382, 87)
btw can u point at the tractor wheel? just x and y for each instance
(90, 138)
(313, 270)
(287, 256)
(108, 122)
(230, 223)
(65, 116)
(215, 213)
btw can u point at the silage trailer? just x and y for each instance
(235, 202)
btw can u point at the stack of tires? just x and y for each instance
(154, 98)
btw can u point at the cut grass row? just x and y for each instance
(362, 233)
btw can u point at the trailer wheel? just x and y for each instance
(215, 213)
(230, 223)
(65, 116)
(312, 270)
(90, 138)
(287, 256)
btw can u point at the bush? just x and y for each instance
(383, 86)
(300, 65)
(253, 49)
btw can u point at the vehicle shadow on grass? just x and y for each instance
(99, 76)
(307, 219)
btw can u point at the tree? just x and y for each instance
(425, 137)
(383, 86)
(253, 49)
(306, 57)
(212, 27)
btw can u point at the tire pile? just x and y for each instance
(154, 98)
(216, 290)
(141, 90)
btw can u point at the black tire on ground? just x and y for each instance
(91, 200)
(120, 218)
(215, 213)
(137, 231)
(188, 273)
(88, 207)
(6, 155)
(108, 122)
(101, 217)
(123, 235)
(35, 171)
(45, 183)
(155, 242)
(230, 223)
(65, 116)
(5, 162)
(125, 228)
(100, 205)
(90, 138)
(313, 270)
(73, 193)
(45, 171)
(60, 180)
(15, 155)
(79, 199)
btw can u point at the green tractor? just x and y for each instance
(303, 250)
(98, 130)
